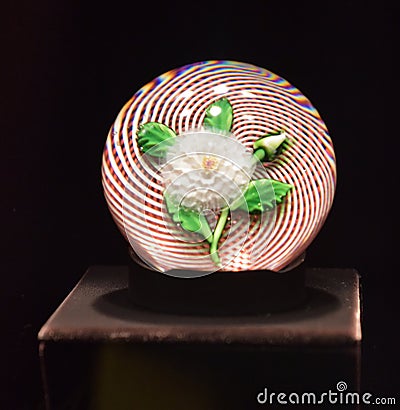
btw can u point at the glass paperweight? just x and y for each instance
(219, 166)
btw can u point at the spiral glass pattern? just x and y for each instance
(261, 103)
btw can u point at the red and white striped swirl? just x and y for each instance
(262, 102)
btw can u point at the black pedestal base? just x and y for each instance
(99, 351)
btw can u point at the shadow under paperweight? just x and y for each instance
(219, 293)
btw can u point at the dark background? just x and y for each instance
(68, 67)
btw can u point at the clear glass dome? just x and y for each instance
(219, 165)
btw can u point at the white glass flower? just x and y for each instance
(206, 170)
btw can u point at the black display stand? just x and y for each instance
(100, 351)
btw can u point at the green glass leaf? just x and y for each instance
(155, 138)
(190, 220)
(263, 195)
(219, 115)
(281, 189)
(270, 144)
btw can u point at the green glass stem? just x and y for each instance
(217, 236)
(259, 154)
(205, 229)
